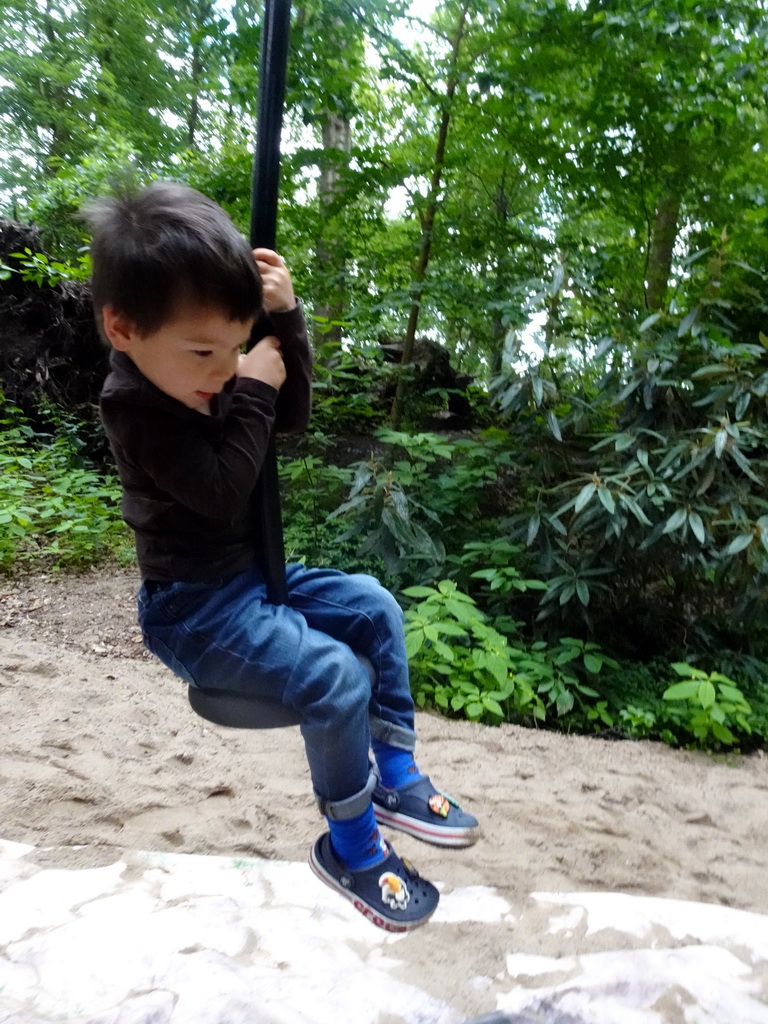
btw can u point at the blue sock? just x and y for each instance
(396, 767)
(357, 841)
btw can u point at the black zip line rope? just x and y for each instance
(266, 181)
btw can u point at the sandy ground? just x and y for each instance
(99, 750)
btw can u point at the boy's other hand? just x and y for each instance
(264, 362)
(276, 281)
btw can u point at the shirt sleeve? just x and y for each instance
(208, 466)
(294, 403)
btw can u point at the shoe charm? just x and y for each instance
(438, 804)
(394, 891)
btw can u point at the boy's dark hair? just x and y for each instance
(168, 244)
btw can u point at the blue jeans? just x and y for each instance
(224, 634)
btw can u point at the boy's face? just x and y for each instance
(190, 358)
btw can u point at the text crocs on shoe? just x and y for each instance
(392, 895)
(424, 812)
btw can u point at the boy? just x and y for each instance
(177, 293)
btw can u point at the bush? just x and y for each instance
(349, 389)
(55, 508)
(461, 663)
(648, 520)
(714, 711)
(464, 666)
(417, 506)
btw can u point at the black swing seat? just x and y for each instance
(236, 709)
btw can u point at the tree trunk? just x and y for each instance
(501, 253)
(337, 143)
(499, 335)
(661, 248)
(428, 223)
(194, 107)
(59, 99)
(200, 16)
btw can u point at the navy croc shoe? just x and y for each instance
(424, 812)
(391, 895)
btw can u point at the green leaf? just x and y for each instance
(706, 693)
(533, 529)
(688, 322)
(649, 322)
(582, 591)
(630, 504)
(450, 629)
(676, 520)
(474, 710)
(414, 641)
(557, 526)
(587, 691)
(419, 592)
(592, 663)
(746, 266)
(585, 495)
(684, 669)
(554, 426)
(568, 655)
(624, 441)
(742, 405)
(723, 733)
(443, 650)
(740, 543)
(681, 691)
(718, 677)
(721, 440)
(499, 668)
(493, 706)
(606, 498)
(626, 392)
(716, 712)
(463, 612)
(731, 693)
(697, 527)
(448, 588)
(557, 280)
(564, 702)
(741, 461)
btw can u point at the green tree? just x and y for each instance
(74, 74)
(655, 104)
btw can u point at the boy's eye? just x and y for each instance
(203, 353)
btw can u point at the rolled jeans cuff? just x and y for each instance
(343, 810)
(394, 735)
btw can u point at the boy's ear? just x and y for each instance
(117, 328)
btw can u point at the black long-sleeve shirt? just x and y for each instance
(188, 479)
